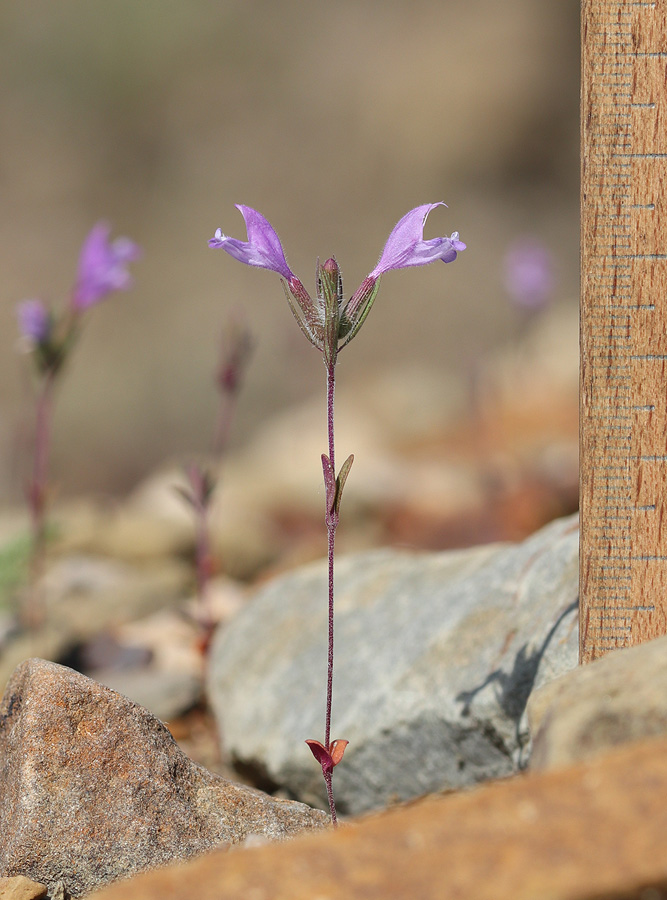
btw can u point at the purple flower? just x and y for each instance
(34, 321)
(263, 247)
(329, 322)
(529, 277)
(406, 245)
(264, 250)
(102, 267)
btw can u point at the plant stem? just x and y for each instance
(332, 521)
(203, 567)
(37, 493)
(226, 409)
(328, 777)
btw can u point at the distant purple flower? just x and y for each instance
(406, 245)
(102, 267)
(529, 275)
(263, 247)
(34, 321)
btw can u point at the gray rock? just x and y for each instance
(436, 656)
(83, 595)
(93, 787)
(166, 694)
(619, 698)
(58, 891)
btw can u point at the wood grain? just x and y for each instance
(623, 398)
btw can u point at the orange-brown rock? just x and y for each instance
(94, 788)
(21, 888)
(596, 830)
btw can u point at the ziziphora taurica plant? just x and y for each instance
(330, 322)
(49, 338)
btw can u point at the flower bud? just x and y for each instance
(330, 294)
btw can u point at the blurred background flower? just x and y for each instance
(529, 274)
(103, 267)
(34, 321)
(159, 117)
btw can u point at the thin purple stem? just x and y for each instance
(226, 411)
(332, 521)
(199, 494)
(328, 777)
(203, 556)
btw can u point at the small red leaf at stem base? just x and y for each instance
(322, 755)
(328, 758)
(336, 750)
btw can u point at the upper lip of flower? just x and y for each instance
(406, 246)
(263, 247)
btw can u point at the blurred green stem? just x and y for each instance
(33, 613)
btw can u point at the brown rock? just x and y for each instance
(597, 830)
(21, 888)
(93, 787)
(619, 698)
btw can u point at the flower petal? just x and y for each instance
(34, 321)
(102, 266)
(529, 274)
(406, 245)
(262, 249)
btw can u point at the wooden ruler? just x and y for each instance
(623, 405)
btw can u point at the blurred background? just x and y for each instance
(333, 120)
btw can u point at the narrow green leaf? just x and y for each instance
(342, 478)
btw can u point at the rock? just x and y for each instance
(597, 830)
(120, 530)
(83, 595)
(14, 560)
(91, 591)
(58, 891)
(436, 655)
(93, 787)
(619, 698)
(21, 888)
(166, 694)
(167, 680)
(156, 661)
